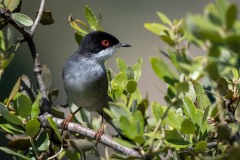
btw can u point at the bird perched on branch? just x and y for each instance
(84, 73)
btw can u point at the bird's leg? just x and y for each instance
(68, 120)
(100, 132)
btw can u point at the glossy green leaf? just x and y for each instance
(43, 142)
(139, 123)
(131, 86)
(11, 152)
(11, 4)
(23, 106)
(91, 18)
(188, 127)
(163, 71)
(47, 18)
(174, 120)
(36, 107)
(164, 18)
(121, 65)
(8, 116)
(55, 128)
(32, 127)
(201, 146)
(130, 73)
(127, 127)
(23, 19)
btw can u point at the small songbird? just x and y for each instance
(84, 73)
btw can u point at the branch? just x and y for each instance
(77, 128)
(28, 37)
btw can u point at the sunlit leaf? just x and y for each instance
(164, 18)
(11, 4)
(32, 127)
(9, 151)
(91, 18)
(23, 19)
(55, 128)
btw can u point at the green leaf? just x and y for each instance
(32, 127)
(8, 116)
(164, 18)
(131, 86)
(189, 109)
(14, 90)
(23, 19)
(174, 120)
(121, 65)
(11, 4)
(202, 100)
(8, 60)
(78, 38)
(20, 143)
(43, 142)
(118, 109)
(188, 127)
(35, 107)
(75, 24)
(235, 73)
(138, 69)
(130, 73)
(46, 18)
(231, 15)
(55, 128)
(201, 146)
(127, 127)
(11, 152)
(156, 28)
(157, 111)
(118, 84)
(23, 105)
(91, 18)
(10, 128)
(139, 123)
(182, 87)
(2, 42)
(222, 86)
(163, 71)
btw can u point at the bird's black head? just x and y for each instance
(96, 41)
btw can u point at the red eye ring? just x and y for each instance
(105, 43)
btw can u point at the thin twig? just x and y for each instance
(39, 16)
(77, 128)
(54, 156)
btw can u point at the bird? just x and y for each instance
(84, 74)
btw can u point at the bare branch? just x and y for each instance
(77, 128)
(39, 16)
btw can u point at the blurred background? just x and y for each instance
(124, 19)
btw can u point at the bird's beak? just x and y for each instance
(123, 45)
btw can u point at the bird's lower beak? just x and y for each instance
(123, 45)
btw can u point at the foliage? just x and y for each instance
(201, 115)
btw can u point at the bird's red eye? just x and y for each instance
(105, 43)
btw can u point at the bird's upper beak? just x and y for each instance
(123, 45)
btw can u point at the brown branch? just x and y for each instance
(77, 128)
(28, 37)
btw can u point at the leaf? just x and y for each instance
(235, 73)
(157, 111)
(9, 127)
(91, 18)
(231, 15)
(202, 100)
(2, 42)
(81, 144)
(121, 65)
(222, 86)
(53, 94)
(8, 116)
(9, 151)
(182, 87)
(156, 28)
(118, 84)
(11, 4)
(20, 143)
(130, 73)
(189, 109)
(131, 86)
(224, 134)
(75, 26)
(55, 128)
(14, 91)
(118, 109)
(174, 120)
(201, 146)
(188, 127)
(23, 105)
(47, 18)
(164, 18)
(43, 142)
(23, 19)
(163, 71)
(7, 60)
(35, 107)
(138, 69)
(32, 127)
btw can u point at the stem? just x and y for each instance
(34, 147)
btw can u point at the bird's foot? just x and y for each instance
(99, 133)
(65, 122)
